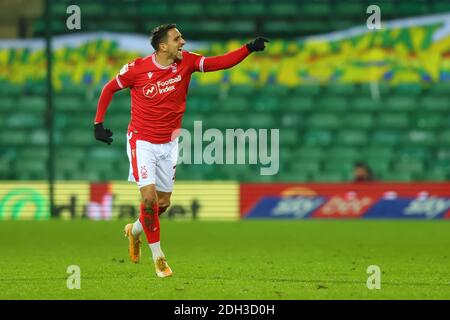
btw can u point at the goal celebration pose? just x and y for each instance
(158, 85)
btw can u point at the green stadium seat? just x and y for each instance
(77, 137)
(359, 120)
(379, 152)
(415, 166)
(225, 121)
(198, 104)
(7, 104)
(408, 89)
(440, 6)
(153, 9)
(40, 137)
(67, 103)
(32, 104)
(344, 168)
(304, 27)
(386, 137)
(24, 120)
(399, 176)
(305, 166)
(431, 121)
(413, 152)
(333, 104)
(444, 138)
(187, 9)
(90, 9)
(413, 8)
(393, 121)
(379, 167)
(213, 27)
(71, 153)
(292, 120)
(343, 154)
(30, 169)
(341, 90)
(240, 90)
(401, 103)
(106, 154)
(432, 103)
(443, 153)
(297, 103)
(277, 90)
(33, 154)
(288, 137)
(251, 9)
(283, 9)
(265, 103)
(261, 120)
(293, 176)
(366, 104)
(307, 90)
(277, 27)
(14, 137)
(316, 137)
(315, 9)
(242, 26)
(437, 174)
(352, 137)
(312, 153)
(348, 8)
(220, 9)
(420, 138)
(325, 177)
(441, 88)
(322, 120)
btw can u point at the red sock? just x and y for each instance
(150, 223)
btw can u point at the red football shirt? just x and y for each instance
(158, 94)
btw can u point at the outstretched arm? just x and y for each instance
(105, 99)
(108, 91)
(232, 58)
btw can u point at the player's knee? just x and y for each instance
(163, 205)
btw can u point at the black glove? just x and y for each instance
(102, 134)
(257, 44)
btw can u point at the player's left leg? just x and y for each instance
(165, 175)
(163, 201)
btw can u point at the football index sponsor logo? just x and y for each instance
(150, 90)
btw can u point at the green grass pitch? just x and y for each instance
(229, 260)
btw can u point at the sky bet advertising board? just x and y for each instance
(345, 201)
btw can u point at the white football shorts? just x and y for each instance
(152, 163)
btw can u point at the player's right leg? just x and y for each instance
(149, 219)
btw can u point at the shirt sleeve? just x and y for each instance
(194, 60)
(223, 62)
(126, 76)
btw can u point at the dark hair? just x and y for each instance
(159, 34)
(360, 164)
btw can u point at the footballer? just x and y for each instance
(158, 85)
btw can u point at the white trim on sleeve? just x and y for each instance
(201, 64)
(118, 82)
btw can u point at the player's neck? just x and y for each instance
(163, 60)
